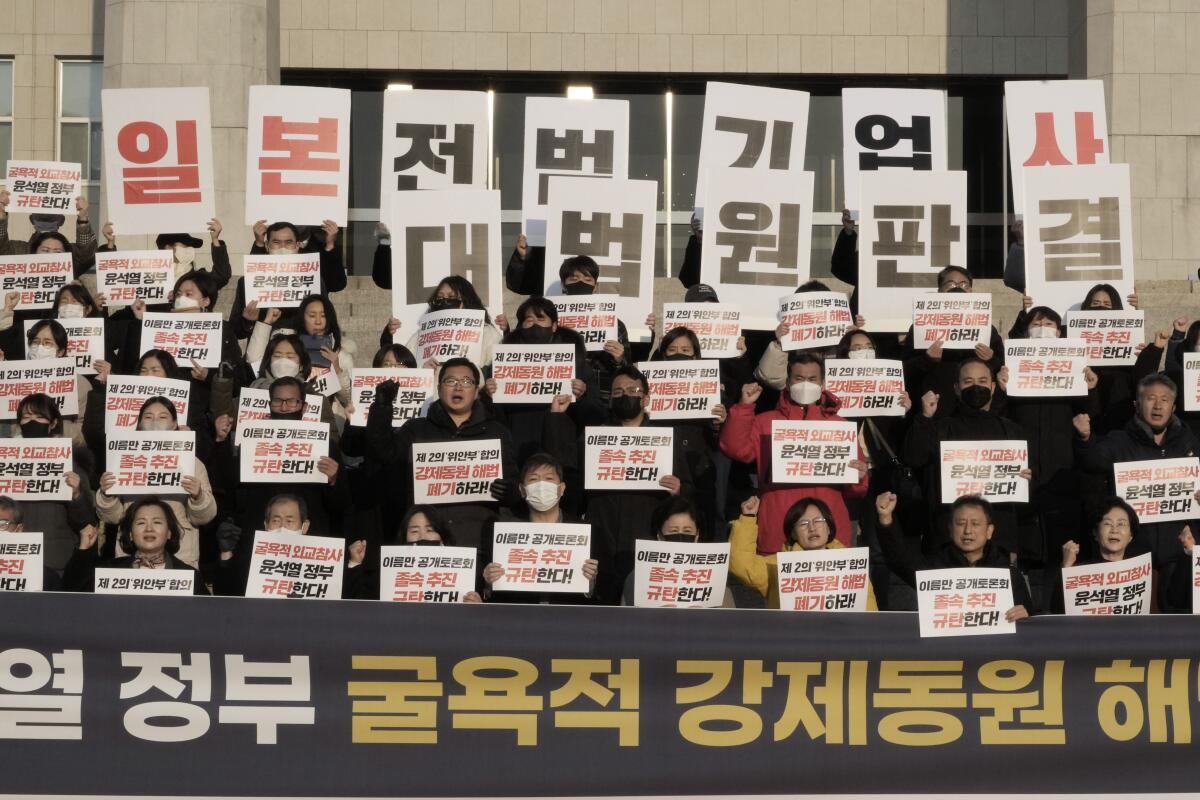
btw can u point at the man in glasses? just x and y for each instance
(458, 416)
(11, 522)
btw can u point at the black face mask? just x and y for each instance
(679, 538)
(976, 396)
(626, 406)
(536, 334)
(579, 287)
(677, 357)
(34, 430)
(956, 290)
(288, 415)
(444, 304)
(426, 543)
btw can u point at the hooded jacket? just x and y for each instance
(746, 437)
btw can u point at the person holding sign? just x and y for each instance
(149, 532)
(183, 247)
(746, 437)
(674, 520)
(772, 366)
(1154, 433)
(542, 487)
(971, 526)
(45, 341)
(1116, 385)
(423, 526)
(458, 416)
(194, 293)
(197, 507)
(808, 525)
(453, 291)
(1116, 536)
(974, 417)
(11, 521)
(58, 520)
(47, 239)
(936, 369)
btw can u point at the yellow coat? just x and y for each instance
(760, 571)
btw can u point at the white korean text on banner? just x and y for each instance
(52, 376)
(456, 472)
(532, 373)
(126, 276)
(281, 281)
(1112, 337)
(1191, 382)
(295, 566)
(959, 321)
(453, 333)
(1045, 367)
(897, 130)
(276, 450)
(912, 225)
(36, 277)
(758, 129)
(682, 389)
(573, 138)
(158, 162)
(432, 139)
(989, 469)
(1053, 123)
(43, 187)
(614, 223)
(298, 154)
(255, 404)
(823, 580)
(625, 459)
(414, 574)
(1111, 587)
(1159, 490)
(22, 557)
(416, 388)
(35, 469)
(679, 574)
(85, 341)
(1078, 232)
(814, 319)
(124, 396)
(969, 601)
(115, 580)
(717, 326)
(441, 233)
(541, 557)
(866, 387)
(757, 239)
(819, 451)
(151, 462)
(593, 318)
(187, 337)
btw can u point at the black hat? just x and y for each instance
(700, 293)
(169, 239)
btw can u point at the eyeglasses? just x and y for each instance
(285, 402)
(635, 391)
(1119, 525)
(814, 524)
(956, 285)
(465, 383)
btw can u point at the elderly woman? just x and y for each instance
(193, 507)
(149, 531)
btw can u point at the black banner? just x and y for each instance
(217, 696)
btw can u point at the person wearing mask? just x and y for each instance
(149, 533)
(935, 370)
(1153, 433)
(609, 512)
(1115, 388)
(59, 520)
(453, 292)
(424, 526)
(746, 437)
(975, 416)
(47, 239)
(542, 486)
(675, 520)
(808, 525)
(772, 365)
(968, 543)
(458, 415)
(1115, 537)
(74, 301)
(183, 247)
(193, 507)
(11, 521)
(47, 340)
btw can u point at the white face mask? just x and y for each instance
(284, 368)
(37, 352)
(541, 495)
(157, 426)
(184, 256)
(282, 250)
(804, 393)
(185, 303)
(861, 354)
(71, 311)
(1042, 332)
(287, 530)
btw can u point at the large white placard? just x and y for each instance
(958, 321)
(117, 580)
(36, 277)
(1111, 337)
(416, 391)
(541, 557)
(968, 601)
(717, 326)
(594, 318)
(532, 373)
(22, 556)
(35, 469)
(617, 458)
(679, 574)
(453, 333)
(682, 389)
(814, 319)
(281, 281)
(893, 130)
(151, 462)
(126, 276)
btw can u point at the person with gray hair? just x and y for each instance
(12, 521)
(1153, 433)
